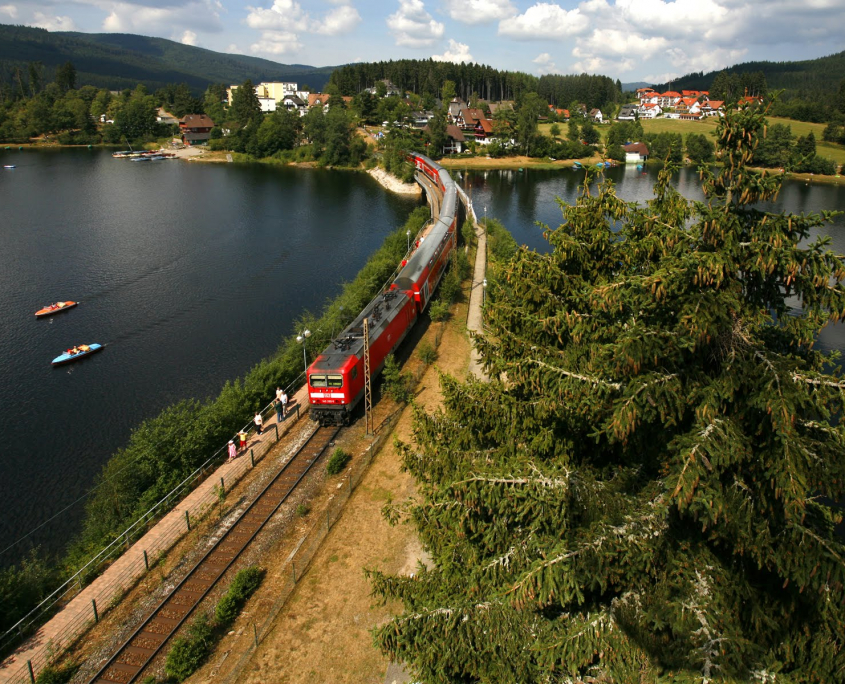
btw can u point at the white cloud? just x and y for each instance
(52, 22)
(233, 49)
(616, 42)
(276, 43)
(599, 65)
(457, 53)
(281, 24)
(545, 64)
(9, 10)
(479, 11)
(288, 16)
(412, 26)
(544, 21)
(188, 38)
(199, 15)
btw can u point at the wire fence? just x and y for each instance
(82, 602)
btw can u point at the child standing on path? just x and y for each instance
(259, 422)
(242, 437)
(233, 451)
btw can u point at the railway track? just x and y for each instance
(150, 637)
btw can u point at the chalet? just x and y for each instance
(322, 100)
(162, 116)
(596, 116)
(628, 112)
(747, 101)
(420, 119)
(713, 108)
(196, 129)
(688, 105)
(647, 95)
(455, 108)
(500, 106)
(635, 153)
(455, 141)
(468, 119)
(391, 91)
(294, 103)
(483, 131)
(650, 111)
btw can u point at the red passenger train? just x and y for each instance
(336, 378)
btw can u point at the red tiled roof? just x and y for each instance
(715, 104)
(486, 125)
(196, 121)
(670, 93)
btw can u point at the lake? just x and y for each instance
(189, 273)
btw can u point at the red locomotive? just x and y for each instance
(336, 378)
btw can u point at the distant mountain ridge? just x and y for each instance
(807, 77)
(122, 60)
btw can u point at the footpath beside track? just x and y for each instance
(154, 632)
(85, 609)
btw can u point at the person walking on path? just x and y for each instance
(277, 404)
(259, 421)
(233, 450)
(284, 401)
(242, 437)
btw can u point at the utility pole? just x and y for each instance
(368, 387)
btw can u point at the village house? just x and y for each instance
(713, 108)
(501, 106)
(162, 116)
(294, 103)
(483, 131)
(196, 129)
(455, 141)
(635, 153)
(268, 104)
(628, 112)
(322, 100)
(391, 91)
(596, 116)
(650, 110)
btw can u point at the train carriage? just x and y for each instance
(336, 378)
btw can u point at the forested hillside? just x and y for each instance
(117, 61)
(809, 77)
(426, 77)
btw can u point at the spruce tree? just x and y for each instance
(643, 492)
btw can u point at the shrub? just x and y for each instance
(428, 354)
(190, 651)
(397, 385)
(438, 311)
(303, 509)
(56, 675)
(338, 461)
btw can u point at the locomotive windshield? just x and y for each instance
(335, 380)
(318, 381)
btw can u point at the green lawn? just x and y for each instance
(708, 126)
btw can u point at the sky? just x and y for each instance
(629, 40)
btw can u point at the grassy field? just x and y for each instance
(708, 127)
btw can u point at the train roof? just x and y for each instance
(380, 313)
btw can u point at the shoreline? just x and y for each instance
(476, 163)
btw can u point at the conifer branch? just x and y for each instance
(576, 376)
(797, 377)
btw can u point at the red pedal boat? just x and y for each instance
(55, 308)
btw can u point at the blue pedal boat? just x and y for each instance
(77, 353)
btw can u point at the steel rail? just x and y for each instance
(130, 659)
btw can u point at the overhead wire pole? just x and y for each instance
(368, 387)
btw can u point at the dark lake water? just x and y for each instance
(189, 273)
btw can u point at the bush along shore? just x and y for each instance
(164, 450)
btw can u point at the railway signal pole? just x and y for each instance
(368, 387)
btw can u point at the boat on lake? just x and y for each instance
(77, 353)
(55, 308)
(9, 166)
